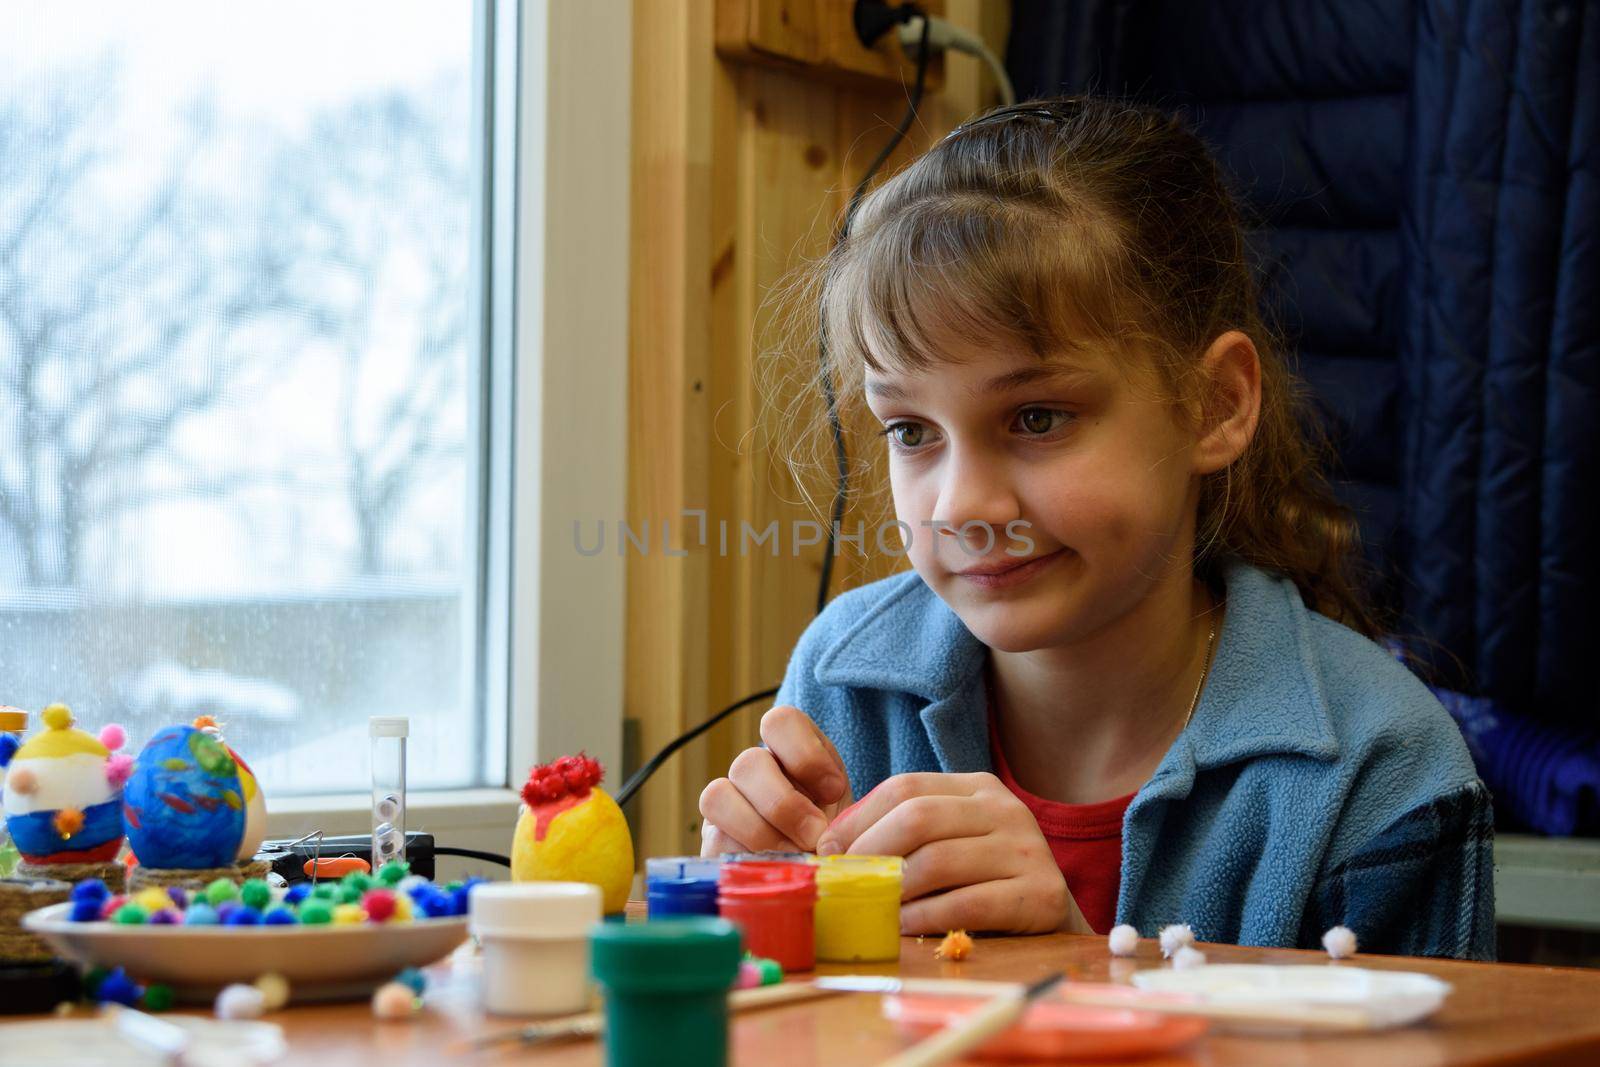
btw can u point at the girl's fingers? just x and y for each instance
(763, 783)
(713, 842)
(916, 822)
(890, 794)
(947, 864)
(997, 906)
(805, 754)
(722, 805)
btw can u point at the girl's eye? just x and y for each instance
(1039, 421)
(906, 434)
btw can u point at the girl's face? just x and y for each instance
(1085, 463)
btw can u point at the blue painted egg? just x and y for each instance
(183, 804)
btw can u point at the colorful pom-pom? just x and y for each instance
(84, 911)
(179, 895)
(165, 917)
(1174, 937)
(359, 880)
(957, 945)
(379, 904)
(109, 906)
(206, 722)
(297, 893)
(201, 914)
(158, 998)
(435, 903)
(227, 908)
(9, 744)
(243, 915)
(279, 915)
(274, 989)
(349, 914)
(1124, 940)
(113, 736)
(403, 912)
(393, 1001)
(413, 979)
(130, 914)
(118, 988)
(91, 889)
(1188, 957)
(118, 769)
(1340, 942)
(394, 872)
(255, 893)
(221, 890)
(153, 899)
(67, 822)
(240, 1002)
(56, 717)
(316, 913)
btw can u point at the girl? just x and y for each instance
(1129, 678)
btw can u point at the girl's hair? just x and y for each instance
(1074, 223)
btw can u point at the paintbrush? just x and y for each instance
(590, 1024)
(1332, 1018)
(960, 1038)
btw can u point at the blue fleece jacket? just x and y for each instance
(1318, 782)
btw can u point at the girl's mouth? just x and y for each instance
(1007, 573)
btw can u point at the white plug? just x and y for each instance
(943, 36)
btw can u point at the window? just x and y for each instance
(240, 345)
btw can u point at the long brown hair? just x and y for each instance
(1078, 221)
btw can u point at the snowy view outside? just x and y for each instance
(235, 361)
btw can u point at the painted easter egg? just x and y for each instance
(255, 801)
(184, 803)
(63, 793)
(255, 810)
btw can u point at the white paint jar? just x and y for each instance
(535, 938)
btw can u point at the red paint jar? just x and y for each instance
(773, 904)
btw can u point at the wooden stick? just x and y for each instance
(590, 1023)
(960, 1038)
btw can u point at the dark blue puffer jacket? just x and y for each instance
(1425, 175)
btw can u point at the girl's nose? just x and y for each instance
(975, 503)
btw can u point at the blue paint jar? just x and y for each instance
(682, 885)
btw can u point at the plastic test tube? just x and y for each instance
(388, 734)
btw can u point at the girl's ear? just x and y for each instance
(1231, 371)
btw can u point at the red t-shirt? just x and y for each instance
(1086, 840)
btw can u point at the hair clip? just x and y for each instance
(1005, 114)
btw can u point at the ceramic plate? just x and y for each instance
(1051, 1031)
(320, 962)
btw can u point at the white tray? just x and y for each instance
(1388, 998)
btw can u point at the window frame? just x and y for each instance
(554, 105)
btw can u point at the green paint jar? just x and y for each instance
(666, 990)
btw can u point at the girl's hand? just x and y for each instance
(975, 857)
(777, 797)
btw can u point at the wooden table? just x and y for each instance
(1498, 1014)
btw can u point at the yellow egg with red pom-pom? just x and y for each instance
(570, 830)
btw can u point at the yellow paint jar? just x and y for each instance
(858, 908)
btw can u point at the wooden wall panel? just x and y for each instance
(740, 170)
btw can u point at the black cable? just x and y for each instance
(841, 457)
(903, 13)
(638, 778)
(473, 854)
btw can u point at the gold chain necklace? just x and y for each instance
(1205, 672)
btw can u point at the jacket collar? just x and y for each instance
(1264, 694)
